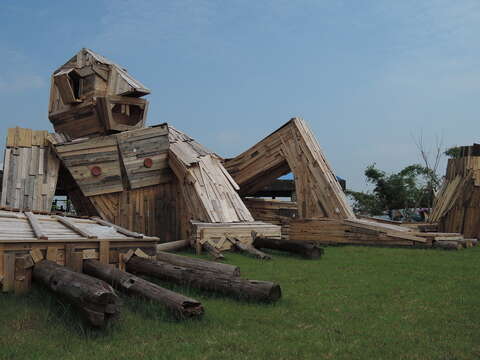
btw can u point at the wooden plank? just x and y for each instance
(119, 229)
(71, 225)
(35, 225)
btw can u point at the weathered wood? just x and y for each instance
(306, 249)
(249, 249)
(119, 229)
(37, 229)
(198, 264)
(173, 245)
(181, 306)
(94, 297)
(71, 225)
(234, 286)
(217, 255)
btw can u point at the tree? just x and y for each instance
(410, 188)
(454, 152)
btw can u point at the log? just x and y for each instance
(198, 264)
(179, 305)
(217, 255)
(306, 249)
(248, 249)
(173, 245)
(447, 245)
(93, 297)
(234, 286)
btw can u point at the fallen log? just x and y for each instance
(215, 253)
(249, 249)
(173, 245)
(198, 264)
(448, 245)
(93, 297)
(247, 289)
(179, 305)
(304, 248)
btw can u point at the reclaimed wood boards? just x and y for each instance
(91, 95)
(293, 147)
(30, 171)
(28, 238)
(208, 190)
(457, 205)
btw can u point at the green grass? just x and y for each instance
(354, 303)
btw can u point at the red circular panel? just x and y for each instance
(96, 171)
(148, 163)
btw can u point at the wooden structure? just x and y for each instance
(320, 212)
(91, 95)
(457, 204)
(30, 171)
(27, 238)
(293, 147)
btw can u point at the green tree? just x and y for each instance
(412, 187)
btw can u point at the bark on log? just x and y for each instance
(447, 245)
(215, 253)
(179, 305)
(95, 298)
(249, 249)
(205, 280)
(304, 248)
(198, 264)
(173, 245)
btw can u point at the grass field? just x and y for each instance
(354, 303)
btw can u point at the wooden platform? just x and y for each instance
(217, 233)
(26, 238)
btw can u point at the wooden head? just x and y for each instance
(91, 95)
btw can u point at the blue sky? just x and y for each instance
(366, 75)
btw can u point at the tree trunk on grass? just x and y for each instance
(205, 280)
(215, 253)
(95, 298)
(198, 264)
(181, 306)
(173, 245)
(304, 248)
(248, 249)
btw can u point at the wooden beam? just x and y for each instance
(71, 225)
(37, 229)
(119, 229)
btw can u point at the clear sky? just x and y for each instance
(366, 75)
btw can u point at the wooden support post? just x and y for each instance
(104, 252)
(23, 275)
(8, 272)
(37, 229)
(181, 306)
(52, 254)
